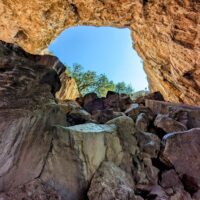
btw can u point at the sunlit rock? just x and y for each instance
(165, 34)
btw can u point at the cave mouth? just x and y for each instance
(105, 50)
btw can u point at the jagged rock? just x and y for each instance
(34, 190)
(182, 151)
(165, 34)
(180, 195)
(170, 179)
(134, 162)
(68, 90)
(180, 115)
(102, 116)
(168, 124)
(39, 149)
(173, 186)
(112, 102)
(135, 111)
(126, 131)
(117, 102)
(110, 182)
(78, 116)
(148, 143)
(153, 96)
(42, 69)
(151, 191)
(142, 122)
(69, 106)
(76, 154)
(157, 193)
(91, 102)
(25, 143)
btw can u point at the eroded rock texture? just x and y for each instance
(68, 90)
(43, 155)
(165, 34)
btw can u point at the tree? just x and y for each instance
(120, 87)
(129, 89)
(89, 81)
(103, 85)
(85, 80)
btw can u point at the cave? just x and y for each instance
(103, 50)
(166, 35)
(99, 148)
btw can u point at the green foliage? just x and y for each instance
(89, 81)
(103, 85)
(120, 87)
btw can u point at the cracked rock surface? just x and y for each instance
(44, 156)
(166, 34)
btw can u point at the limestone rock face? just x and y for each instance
(68, 90)
(165, 34)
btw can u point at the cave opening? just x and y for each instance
(103, 50)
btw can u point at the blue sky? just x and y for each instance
(105, 50)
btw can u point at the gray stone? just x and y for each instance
(110, 182)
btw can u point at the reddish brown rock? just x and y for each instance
(91, 102)
(78, 116)
(170, 179)
(182, 151)
(152, 96)
(168, 124)
(135, 111)
(34, 190)
(177, 111)
(102, 116)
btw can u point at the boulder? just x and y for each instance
(102, 116)
(76, 154)
(136, 110)
(168, 124)
(170, 179)
(112, 100)
(181, 115)
(26, 140)
(177, 112)
(126, 131)
(152, 96)
(78, 116)
(152, 191)
(91, 105)
(110, 182)
(182, 151)
(137, 161)
(142, 122)
(148, 143)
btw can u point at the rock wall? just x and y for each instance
(52, 151)
(165, 34)
(68, 90)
